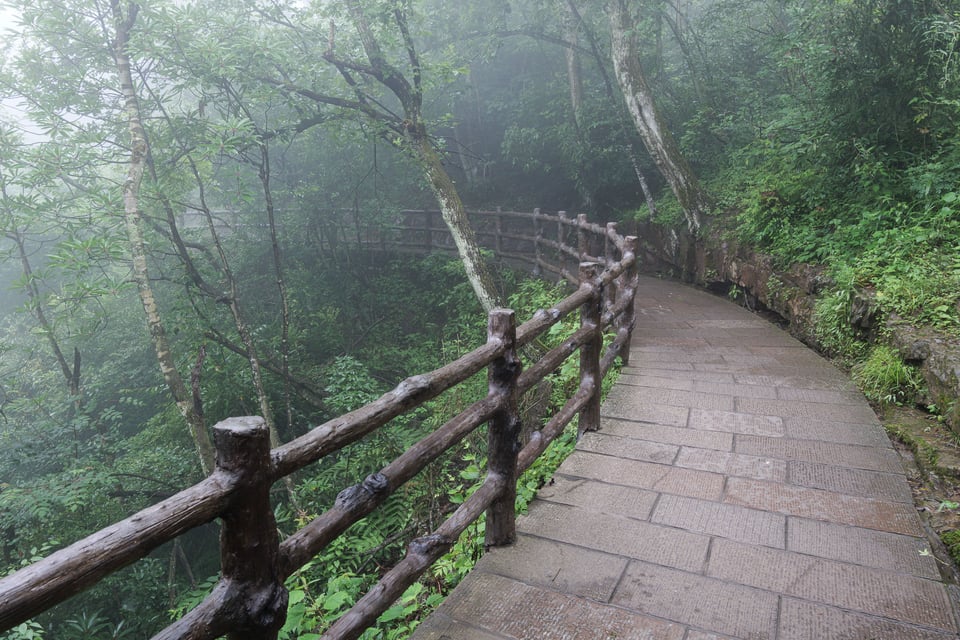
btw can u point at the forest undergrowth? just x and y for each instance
(424, 315)
(825, 133)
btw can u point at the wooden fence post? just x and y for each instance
(609, 247)
(429, 222)
(610, 255)
(503, 436)
(631, 280)
(561, 232)
(498, 243)
(537, 238)
(583, 236)
(255, 600)
(590, 316)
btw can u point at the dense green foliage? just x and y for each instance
(838, 143)
(826, 131)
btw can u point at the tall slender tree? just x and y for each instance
(123, 21)
(366, 78)
(650, 124)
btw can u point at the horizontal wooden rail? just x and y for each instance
(250, 600)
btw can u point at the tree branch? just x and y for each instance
(304, 388)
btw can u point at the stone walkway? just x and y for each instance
(740, 487)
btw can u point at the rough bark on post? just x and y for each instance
(561, 235)
(631, 280)
(590, 317)
(255, 599)
(610, 255)
(503, 439)
(537, 238)
(583, 236)
(609, 247)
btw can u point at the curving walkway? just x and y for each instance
(740, 487)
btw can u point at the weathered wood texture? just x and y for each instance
(250, 600)
(503, 434)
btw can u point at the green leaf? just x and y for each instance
(393, 613)
(336, 600)
(947, 504)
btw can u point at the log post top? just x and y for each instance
(243, 446)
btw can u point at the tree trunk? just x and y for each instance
(410, 95)
(133, 224)
(630, 144)
(574, 69)
(236, 311)
(36, 307)
(651, 127)
(455, 217)
(263, 171)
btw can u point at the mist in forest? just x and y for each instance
(185, 189)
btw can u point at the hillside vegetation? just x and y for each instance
(172, 175)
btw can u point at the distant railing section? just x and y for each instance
(250, 600)
(546, 243)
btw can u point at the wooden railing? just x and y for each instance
(250, 600)
(545, 243)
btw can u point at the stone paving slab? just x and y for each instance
(723, 520)
(820, 395)
(732, 464)
(867, 435)
(591, 495)
(866, 547)
(740, 488)
(669, 435)
(855, 482)
(557, 566)
(712, 605)
(684, 374)
(735, 422)
(631, 448)
(829, 506)
(793, 381)
(806, 409)
(630, 399)
(887, 594)
(853, 456)
(617, 535)
(643, 475)
(487, 606)
(681, 382)
(801, 620)
(621, 407)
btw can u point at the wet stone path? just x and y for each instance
(739, 487)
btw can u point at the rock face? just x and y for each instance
(720, 264)
(938, 356)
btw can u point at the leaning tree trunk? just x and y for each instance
(574, 69)
(455, 217)
(410, 95)
(133, 223)
(36, 307)
(651, 127)
(631, 147)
